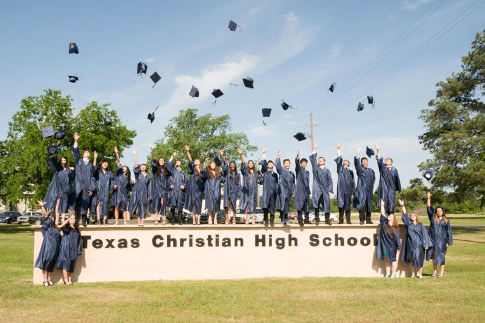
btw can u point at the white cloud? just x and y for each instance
(407, 5)
(150, 59)
(335, 50)
(260, 130)
(291, 17)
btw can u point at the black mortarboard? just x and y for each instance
(217, 93)
(300, 136)
(285, 105)
(332, 87)
(151, 117)
(155, 78)
(266, 112)
(141, 68)
(360, 106)
(73, 78)
(370, 99)
(47, 132)
(428, 174)
(248, 82)
(232, 26)
(218, 161)
(59, 134)
(194, 92)
(369, 152)
(73, 49)
(52, 150)
(107, 122)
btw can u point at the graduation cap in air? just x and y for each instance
(59, 134)
(300, 136)
(360, 106)
(107, 122)
(216, 93)
(369, 152)
(233, 26)
(151, 116)
(73, 78)
(285, 105)
(218, 161)
(266, 114)
(140, 69)
(332, 87)
(52, 150)
(248, 82)
(73, 49)
(428, 174)
(194, 92)
(155, 78)
(47, 132)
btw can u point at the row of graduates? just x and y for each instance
(419, 243)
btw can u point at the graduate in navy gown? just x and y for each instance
(212, 191)
(345, 187)
(322, 186)
(269, 179)
(416, 243)
(177, 185)
(80, 198)
(71, 247)
(441, 236)
(195, 188)
(302, 189)
(364, 193)
(389, 243)
(49, 250)
(232, 187)
(286, 187)
(389, 181)
(57, 196)
(159, 189)
(121, 187)
(104, 186)
(249, 189)
(139, 191)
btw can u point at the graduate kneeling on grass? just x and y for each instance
(417, 241)
(389, 243)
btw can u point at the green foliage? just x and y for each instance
(455, 133)
(205, 135)
(23, 164)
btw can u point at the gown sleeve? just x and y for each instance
(405, 220)
(46, 224)
(430, 213)
(449, 233)
(427, 243)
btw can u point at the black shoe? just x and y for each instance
(341, 222)
(361, 222)
(85, 221)
(369, 222)
(266, 223)
(349, 222)
(272, 223)
(307, 222)
(328, 222)
(301, 224)
(317, 222)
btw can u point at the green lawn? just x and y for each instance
(459, 297)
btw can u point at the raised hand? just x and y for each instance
(221, 153)
(338, 145)
(41, 203)
(95, 154)
(151, 146)
(298, 153)
(278, 153)
(239, 151)
(116, 149)
(187, 148)
(76, 136)
(174, 154)
(377, 147)
(401, 202)
(315, 146)
(358, 150)
(428, 195)
(134, 152)
(263, 149)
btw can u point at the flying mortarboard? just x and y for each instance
(73, 78)
(266, 112)
(59, 134)
(107, 122)
(52, 150)
(141, 68)
(369, 152)
(300, 136)
(218, 161)
(232, 26)
(285, 105)
(47, 132)
(151, 116)
(360, 106)
(217, 93)
(370, 100)
(428, 174)
(155, 78)
(73, 49)
(332, 87)
(248, 82)
(194, 92)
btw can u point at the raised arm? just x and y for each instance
(380, 163)
(240, 152)
(53, 164)
(405, 217)
(135, 158)
(118, 162)
(383, 207)
(279, 169)
(221, 153)
(75, 149)
(313, 158)
(297, 163)
(338, 160)
(358, 166)
(95, 154)
(42, 208)
(152, 152)
(187, 150)
(428, 196)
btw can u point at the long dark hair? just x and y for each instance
(395, 227)
(60, 161)
(213, 172)
(233, 174)
(128, 173)
(437, 218)
(251, 171)
(161, 168)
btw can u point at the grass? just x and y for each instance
(460, 296)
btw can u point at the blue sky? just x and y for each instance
(292, 49)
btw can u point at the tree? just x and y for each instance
(455, 128)
(24, 165)
(205, 135)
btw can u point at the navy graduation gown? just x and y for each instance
(440, 234)
(270, 187)
(322, 184)
(71, 247)
(417, 240)
(120, 194)
(176, 196)
(286, 186)
(159, 190)
(302, 187)
(249, 191)
(212, 191)
(104, 185)
(365, 186)
(82, 182)
(195, 191)
(386, 245)
(345, 184)
(232, 186)
(60, 186)
(49, 250)
(139, 194)
(389, 183)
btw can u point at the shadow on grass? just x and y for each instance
(15, 228)
(466, 218)
(463, 230)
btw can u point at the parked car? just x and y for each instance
(241, 216)
(9, 217)
(311, 217)
(31, 217)
(221, 217)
